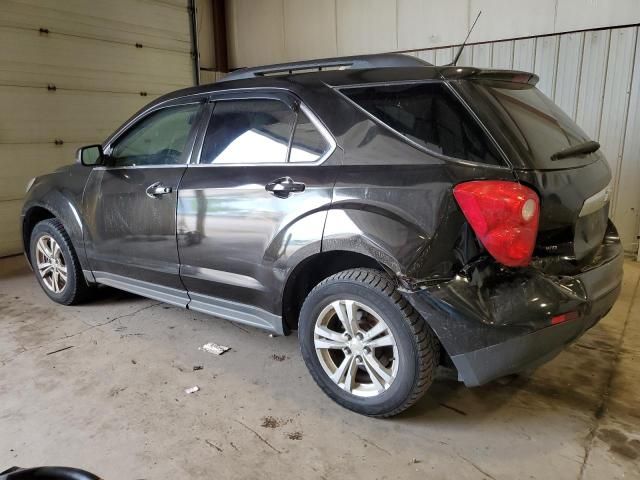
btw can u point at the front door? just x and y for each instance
(131, 242)
(257, 199)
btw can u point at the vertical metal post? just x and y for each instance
(221, 60)
(194, 40)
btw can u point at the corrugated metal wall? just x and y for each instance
(595, 77)
(72, 71)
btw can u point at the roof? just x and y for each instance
(337, 72)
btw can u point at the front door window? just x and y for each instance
(158, 139)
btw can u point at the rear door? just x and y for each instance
(131, 240)
(255, 202)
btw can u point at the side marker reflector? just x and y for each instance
(564, 317)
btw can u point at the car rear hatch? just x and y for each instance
(550, 153)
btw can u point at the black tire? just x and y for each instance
(417, 347)
(76, 290)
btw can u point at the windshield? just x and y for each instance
(537, 126)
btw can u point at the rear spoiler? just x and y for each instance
(514, 76)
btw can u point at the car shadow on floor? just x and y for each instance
(104, 295)
(575, 380)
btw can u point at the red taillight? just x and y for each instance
(504, 216)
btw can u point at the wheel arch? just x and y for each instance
(312, 270)
(32, 216)
(64, 211)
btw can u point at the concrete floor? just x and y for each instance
(113, 401)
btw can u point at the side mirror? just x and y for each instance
(90, 156)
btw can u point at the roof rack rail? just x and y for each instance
(358, 61)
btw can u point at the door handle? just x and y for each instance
(156, 189)
(283, 187)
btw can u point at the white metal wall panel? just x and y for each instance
(255, 31)
(616, 101)
(512, 18)
(568, 74)
(524, 54)
(429, 23)
(428, 56)
(592, 78)
(583, 15)
(482, 55)
(466, 56)
(366, 26)
(546, 63)
(105, 59)
(628, 210)
(444, 56)
(502, 55)
(310, 29)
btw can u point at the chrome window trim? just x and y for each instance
(131, 167)
(307, 111)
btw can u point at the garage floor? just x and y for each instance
(101, 387)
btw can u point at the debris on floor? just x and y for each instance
(279, 358)
(115, 391)
(214, 348)
(60, 350)
(193, 389)
(197, 367)
(273, 422)
(213, 445)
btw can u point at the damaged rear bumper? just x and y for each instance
(494, 321)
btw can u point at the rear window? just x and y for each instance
(429, 115)
(538, 126)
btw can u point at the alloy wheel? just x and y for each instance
(50, 264)
(356, 348)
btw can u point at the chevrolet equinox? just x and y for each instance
(398, 215)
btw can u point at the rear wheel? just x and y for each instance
(364, 344)
(56, 264)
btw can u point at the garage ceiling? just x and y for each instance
(70, 73)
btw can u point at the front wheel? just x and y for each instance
(56, 264)
(364, 344)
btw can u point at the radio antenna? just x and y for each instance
(455, 60)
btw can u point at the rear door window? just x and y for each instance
(248, 132)
(429, 115)
(308, 144)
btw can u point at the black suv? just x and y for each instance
(398, 215)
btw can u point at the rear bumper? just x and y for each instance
(528, 351)
(495, 322)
